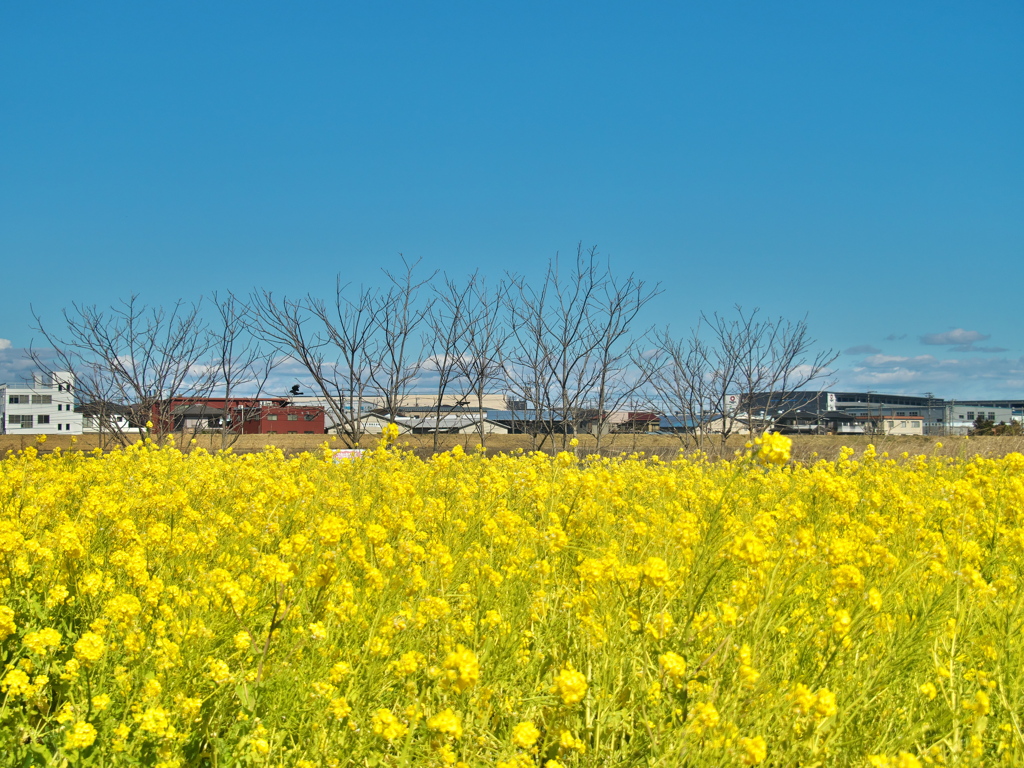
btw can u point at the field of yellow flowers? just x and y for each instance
(163, 608)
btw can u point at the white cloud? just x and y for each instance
(875, 361)
(15, 365)
(960, 341)
(994, 377)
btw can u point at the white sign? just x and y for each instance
(348, 454)
(830, 399)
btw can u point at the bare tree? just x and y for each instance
(348, 327)
(768, 358)
(569, 341)
(528, 365)
(239, 362)
(615, 377)
(447, 327)
(485, 335)
(728, 364)
(397, 316)
(332, 342)
(130, 360)
(684, 375)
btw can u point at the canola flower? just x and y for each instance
(525, 735)
(773, 448)
(571, 686)
(171, 609)
(81, 735)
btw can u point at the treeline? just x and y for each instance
(562, 350)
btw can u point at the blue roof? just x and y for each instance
(675, 422)
(666, 421)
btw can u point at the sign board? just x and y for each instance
(830, 400)
(731, 401)
(348, 454)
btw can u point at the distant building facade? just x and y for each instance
(870, 410)
(44, 407)
(241, 415)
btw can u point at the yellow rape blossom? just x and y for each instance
(17, 683)
(446, 722)
(754, 750)
(296, 611)
(462, 668)
(387, 726)
(89, 648)
(773, 448)
(525, 734)
(570, 685)
(42, 641)
(80, 736)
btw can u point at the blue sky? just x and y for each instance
(862, 164)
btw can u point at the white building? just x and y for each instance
(110, 422)
(452, 424)
(331, 424)
(903, 425)
(460, 424)
(44, 407)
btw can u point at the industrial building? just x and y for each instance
(887, 413)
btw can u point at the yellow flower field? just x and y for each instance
(171, 609)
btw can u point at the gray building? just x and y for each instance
(961, 414)
(873, 409)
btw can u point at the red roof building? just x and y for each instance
(243, 415)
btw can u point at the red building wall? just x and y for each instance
(261, 416)
(286, 419)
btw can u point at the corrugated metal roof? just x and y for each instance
(446, 422)
(675, 422)
(528, 415)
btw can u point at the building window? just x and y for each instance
(16, 399)
(266, 403)
(60, 427)
(991, 416)
(42, 399)
(310, 416)
(293, 417)
(272, 417)
(901, 413)
(43, 419)
(970, 415)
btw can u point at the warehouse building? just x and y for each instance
(882, 413)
